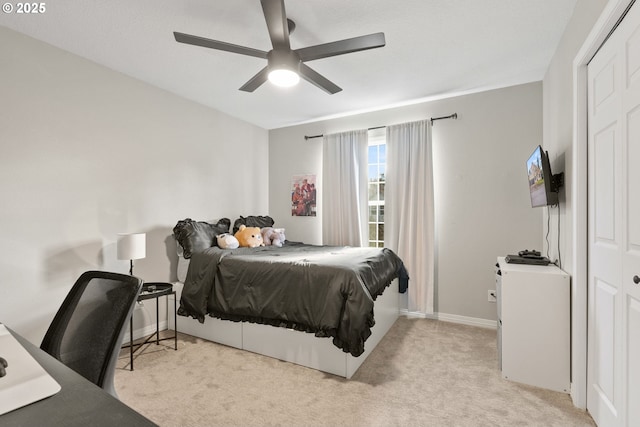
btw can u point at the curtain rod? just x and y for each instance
(433, 119)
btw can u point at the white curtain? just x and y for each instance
(344, 188)
(409, 211)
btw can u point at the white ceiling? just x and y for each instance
(433, 48)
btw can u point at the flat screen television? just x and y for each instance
(543, 185)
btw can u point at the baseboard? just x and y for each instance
(146, 331)
(453, 318)
(417, 314)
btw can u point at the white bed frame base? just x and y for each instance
(293, 346)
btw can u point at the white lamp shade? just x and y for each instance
(132, 246)
(283, 77)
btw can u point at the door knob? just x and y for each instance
(636, 279)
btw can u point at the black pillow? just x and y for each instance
(253, 221)
(195, 236)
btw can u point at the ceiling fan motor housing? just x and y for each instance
(279, 59)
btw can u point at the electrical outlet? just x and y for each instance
(491, 295)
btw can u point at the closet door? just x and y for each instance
(604, 374)
(614, 228)
(631, 217)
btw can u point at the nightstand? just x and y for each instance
(154, 290)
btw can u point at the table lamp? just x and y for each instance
(132, 246)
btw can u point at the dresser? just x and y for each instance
(534, 335)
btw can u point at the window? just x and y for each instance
(377, 159)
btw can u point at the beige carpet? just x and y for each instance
(423, 373)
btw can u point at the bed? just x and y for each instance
(307, 304)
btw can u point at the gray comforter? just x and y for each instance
(326, 290)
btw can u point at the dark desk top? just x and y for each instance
(80, 402)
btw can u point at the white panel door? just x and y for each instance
(614, 228)
(631, 216)
(605, 217)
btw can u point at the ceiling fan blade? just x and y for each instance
(341, 47)
(256, 81)
(277, 25)
(318, 80)
(214, 44)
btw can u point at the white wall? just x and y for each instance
(558, 97)
(88, 153)
(558, 121)
(482, 200)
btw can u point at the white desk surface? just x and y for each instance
(26, 381)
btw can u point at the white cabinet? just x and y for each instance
(534, 324)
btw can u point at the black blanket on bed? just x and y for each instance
(326, 290)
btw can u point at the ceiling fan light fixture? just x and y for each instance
(284, 77)
(284, 65)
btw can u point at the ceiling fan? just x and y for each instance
(282, 61)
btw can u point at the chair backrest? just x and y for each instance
(87, 331)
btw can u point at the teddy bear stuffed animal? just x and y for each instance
(273, 236)
(249, 237)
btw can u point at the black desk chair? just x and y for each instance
(87, 331)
